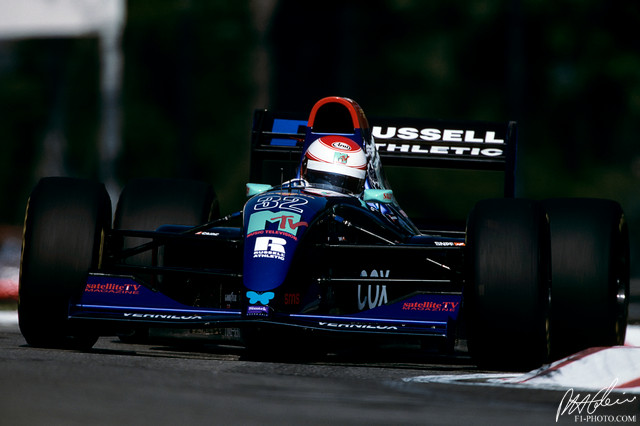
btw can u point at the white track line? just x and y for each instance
(8, 318)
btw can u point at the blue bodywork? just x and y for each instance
(274, 223)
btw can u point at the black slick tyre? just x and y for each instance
(507, 289)
(147, 203)
(65, 223)
(590, 274)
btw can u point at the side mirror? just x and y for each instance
(384, 196)
(257, 188)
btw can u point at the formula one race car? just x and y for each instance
(329, 252)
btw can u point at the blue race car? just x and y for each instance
(328, 251)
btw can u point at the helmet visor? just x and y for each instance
(335, 182)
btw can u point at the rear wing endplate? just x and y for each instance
(277, 139)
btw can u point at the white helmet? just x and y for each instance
(335, 162)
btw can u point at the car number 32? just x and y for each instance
(287, 202)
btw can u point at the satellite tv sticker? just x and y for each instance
(269, 248)
(113, 288)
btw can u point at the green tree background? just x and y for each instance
(194, 70)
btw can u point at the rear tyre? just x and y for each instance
(147, 203)
(507, 288)
(590, 274)
(65, 224)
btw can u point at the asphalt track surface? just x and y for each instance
(166, 383)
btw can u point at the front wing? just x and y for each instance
(385, 305)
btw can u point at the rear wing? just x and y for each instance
(277, 139)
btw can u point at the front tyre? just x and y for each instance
(65, 223)
(507, 289)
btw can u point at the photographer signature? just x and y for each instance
(571, 404)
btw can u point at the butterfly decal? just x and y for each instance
(263, 298)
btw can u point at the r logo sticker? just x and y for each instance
(270, 248)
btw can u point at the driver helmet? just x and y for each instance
(336, 163)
